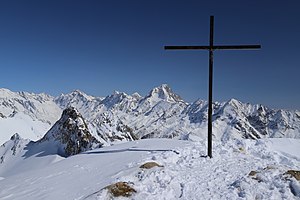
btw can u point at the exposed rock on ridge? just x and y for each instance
(71, 134)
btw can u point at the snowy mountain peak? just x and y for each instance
(235, 103)
(73, 98)
(70, 133)
(164, 92)
(79, 93)
(114, 99)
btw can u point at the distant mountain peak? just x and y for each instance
(164, 92)
(66, 100)
(115, 98)
(233, 101)
(79, 93)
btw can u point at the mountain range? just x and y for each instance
(122, 117)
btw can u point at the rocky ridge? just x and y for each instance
(161, 113)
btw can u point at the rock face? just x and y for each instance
(70, 134)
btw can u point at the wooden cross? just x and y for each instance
(211, 49)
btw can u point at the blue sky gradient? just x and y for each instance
(56, 46)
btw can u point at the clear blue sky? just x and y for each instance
(56, 46)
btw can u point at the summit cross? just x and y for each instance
(211, 48)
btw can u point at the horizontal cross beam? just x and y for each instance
(226, 47)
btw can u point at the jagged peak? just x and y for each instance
(69, 115)
(74, 96)
(236, 104)
(118, 94)
(164, 92)
(71, 134)
(76, 93)
(71, 112)
(114, 98)
(233, 101)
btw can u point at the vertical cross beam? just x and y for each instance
(210, 83)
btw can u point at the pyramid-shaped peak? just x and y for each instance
(164, 92)
(234, 102)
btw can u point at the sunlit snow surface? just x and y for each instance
(185, 175)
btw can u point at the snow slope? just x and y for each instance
(17, 156)
(185, 175)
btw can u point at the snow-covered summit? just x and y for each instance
(164, 92)
(116, 98)
(76, 97)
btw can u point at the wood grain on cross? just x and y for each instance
(211, 49)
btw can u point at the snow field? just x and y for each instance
(187, 175)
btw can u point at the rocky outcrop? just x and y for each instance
(70, 134)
